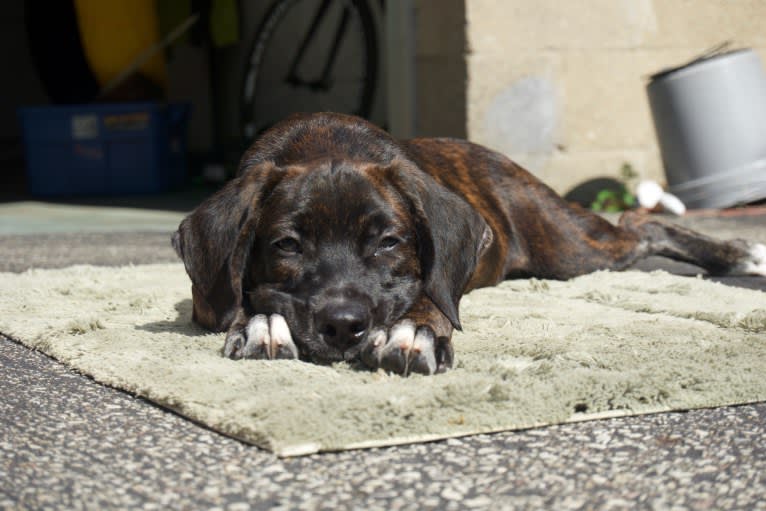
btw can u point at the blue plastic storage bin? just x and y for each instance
(105, 149)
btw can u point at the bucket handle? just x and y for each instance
(714, 51)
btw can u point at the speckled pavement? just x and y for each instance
(69, 443)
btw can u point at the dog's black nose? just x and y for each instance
(343, 323)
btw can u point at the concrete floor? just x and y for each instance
(32, 217)
(69, 443)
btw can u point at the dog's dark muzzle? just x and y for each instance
(343, 322)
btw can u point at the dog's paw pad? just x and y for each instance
(405, 350)
(264, 337)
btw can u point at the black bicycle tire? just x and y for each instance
(268, 24)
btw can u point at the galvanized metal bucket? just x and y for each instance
(710, 120)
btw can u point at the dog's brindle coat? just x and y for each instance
(338, 242)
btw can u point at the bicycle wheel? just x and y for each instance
(309, 56)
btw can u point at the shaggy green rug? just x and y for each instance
(532, 353)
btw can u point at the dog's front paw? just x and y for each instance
(264, 337)
(408, 348)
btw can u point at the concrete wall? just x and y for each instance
(560, 86)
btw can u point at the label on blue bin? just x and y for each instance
(132, 121)
(84, 127)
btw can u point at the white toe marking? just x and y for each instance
(754, 263)
(280, 332)
(235, 341)
(374, 352)
(280, 335)
(423, 343)
(403, 335)
(757, 264)
(414, 345)
(258, 330)
(424, 347)
(270, 336)
(378, 338)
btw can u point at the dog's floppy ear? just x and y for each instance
(214, 242)
(451, 236)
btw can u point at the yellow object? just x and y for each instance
(224, 23)
(115, 32)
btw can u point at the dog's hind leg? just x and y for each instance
(566, 242)
(733, 257)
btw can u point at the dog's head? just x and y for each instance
(337, 247)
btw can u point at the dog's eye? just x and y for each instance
(388, 242)
(288, 245)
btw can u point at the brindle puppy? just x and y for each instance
(338, 242)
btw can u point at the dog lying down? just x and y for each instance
(337, 242)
